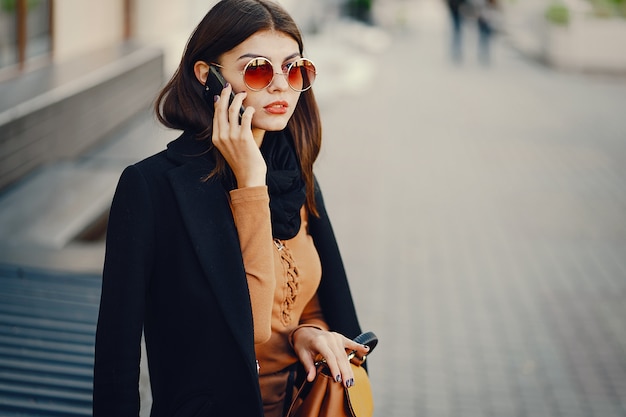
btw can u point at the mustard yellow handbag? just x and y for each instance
(326, 398)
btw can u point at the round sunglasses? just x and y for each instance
(259, 73)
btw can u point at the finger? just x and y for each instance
(220, 116)
(347, 375)
(235, 108)
(342, 371)
(220, 102)
(246, 119)
(356, 348)
(360, 351)
(309, 365)
(335, 356)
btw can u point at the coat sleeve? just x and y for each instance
(127, 265)
(334, 293)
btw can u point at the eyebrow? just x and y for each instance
(294, 55)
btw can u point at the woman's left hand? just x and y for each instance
(309, 342)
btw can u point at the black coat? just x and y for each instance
(173, 267)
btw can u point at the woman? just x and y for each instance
(219, 248)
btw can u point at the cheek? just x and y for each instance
(239, 87)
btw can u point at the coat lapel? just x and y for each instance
(204, 206)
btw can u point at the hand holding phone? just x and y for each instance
(242, 156)
(214, 85)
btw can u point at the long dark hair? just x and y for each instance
(180, 104)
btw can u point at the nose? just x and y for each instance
(279, 82)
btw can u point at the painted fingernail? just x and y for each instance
(216, 98)
(227, 85)
(350, 383)
(338, 378)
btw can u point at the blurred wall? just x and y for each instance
(168, 25)
(155, 20)
(84, 25)
(81, 26)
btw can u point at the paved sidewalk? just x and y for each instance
(481, 213)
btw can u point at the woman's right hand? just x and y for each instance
(310, 342)
(236, 142)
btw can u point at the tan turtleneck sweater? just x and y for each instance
(283, 277)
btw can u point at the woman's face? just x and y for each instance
(274, 104)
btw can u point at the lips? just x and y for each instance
(277, 107)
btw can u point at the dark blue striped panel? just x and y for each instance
(47, 329)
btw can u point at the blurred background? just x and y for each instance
(474, 167)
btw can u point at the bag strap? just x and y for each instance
(291, 383)
(368, 339)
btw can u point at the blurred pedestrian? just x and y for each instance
(486, 18)
(220, 248)
(360, 10)
(486, 15)
(455, 7)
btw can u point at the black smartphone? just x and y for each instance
(213, 87)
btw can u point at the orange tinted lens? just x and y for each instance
(301, 74)
(258, 74)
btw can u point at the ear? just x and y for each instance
(201, 70)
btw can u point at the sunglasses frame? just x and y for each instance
(274, 73)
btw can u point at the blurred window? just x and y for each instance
(25, 31)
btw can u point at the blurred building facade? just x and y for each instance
(60, 29)
(73, 70)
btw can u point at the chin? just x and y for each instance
(273, 125)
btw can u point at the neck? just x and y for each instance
(258, 135)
